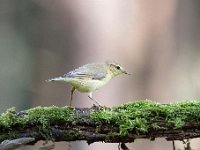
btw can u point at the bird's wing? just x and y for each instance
(89, 71)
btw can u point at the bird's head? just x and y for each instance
(115, 68)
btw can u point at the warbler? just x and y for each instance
(90, 77)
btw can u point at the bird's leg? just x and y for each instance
(71, 98)
(90, 97)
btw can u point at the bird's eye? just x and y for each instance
(118, 67)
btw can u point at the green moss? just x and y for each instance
(45, 115)
(142, 115)
(40, 117)
(10, 118)
(137, 117)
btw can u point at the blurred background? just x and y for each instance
(156, 41)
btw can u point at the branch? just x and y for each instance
(122, 124)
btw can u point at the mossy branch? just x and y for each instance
(125, 123)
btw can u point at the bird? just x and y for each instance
(90, 77)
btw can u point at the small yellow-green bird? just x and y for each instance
(90, 77)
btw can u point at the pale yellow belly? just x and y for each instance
(88, 85)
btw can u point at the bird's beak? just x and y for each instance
(126, 72)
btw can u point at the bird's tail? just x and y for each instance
(55, 79)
